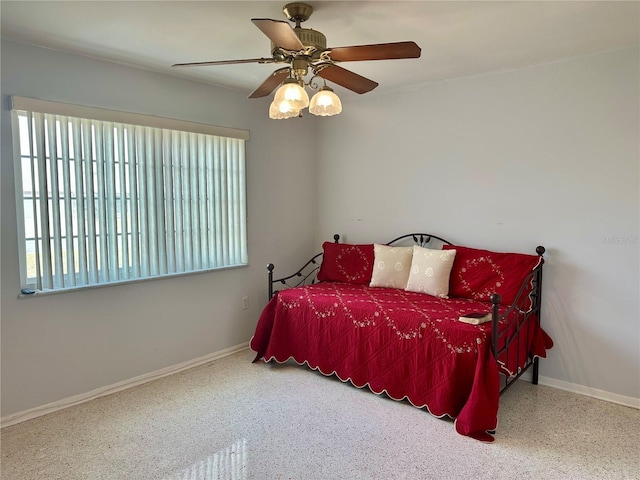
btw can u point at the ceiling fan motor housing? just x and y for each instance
(311, 39)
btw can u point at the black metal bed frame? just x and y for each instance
(306, 275)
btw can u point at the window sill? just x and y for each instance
(58, 291)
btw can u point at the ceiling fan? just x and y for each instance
(305, 49)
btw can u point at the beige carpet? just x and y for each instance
(236, 420)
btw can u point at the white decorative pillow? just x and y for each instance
(391, 266)
(430, 271)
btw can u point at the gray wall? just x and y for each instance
(546, 155)
(57, 346)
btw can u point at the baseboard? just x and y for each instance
(632, 402)
(141, 379)
(116, 387)
(591, 392)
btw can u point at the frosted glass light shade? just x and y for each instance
(325, 103)
(294, 93)
(282, 110)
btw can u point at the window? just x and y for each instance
(105, 196)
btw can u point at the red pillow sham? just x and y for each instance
(342, 262)
(477, 274)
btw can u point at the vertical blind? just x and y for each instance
(105, 201)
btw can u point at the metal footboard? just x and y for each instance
(527, 308)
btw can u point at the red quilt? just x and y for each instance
(405, 344)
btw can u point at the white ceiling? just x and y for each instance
(458, 38)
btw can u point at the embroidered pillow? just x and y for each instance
(346, 263)
(477, 274)
(391, 266)
(430, 271)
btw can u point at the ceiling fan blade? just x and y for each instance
(345, 78)
(379, 51)
(269, 85)
(225, 62)
(279, 32)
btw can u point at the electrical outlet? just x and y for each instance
(245, 303)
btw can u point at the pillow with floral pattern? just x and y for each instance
(342, 262)
(477, 273)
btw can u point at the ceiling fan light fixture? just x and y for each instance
(325, 103)
(282, 110)
(291, 91)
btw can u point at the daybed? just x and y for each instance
(387, 316)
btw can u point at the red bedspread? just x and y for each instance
(407, 345)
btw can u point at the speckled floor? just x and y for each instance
(236, 420)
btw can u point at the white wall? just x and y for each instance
(546, 155)
(57, 346)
